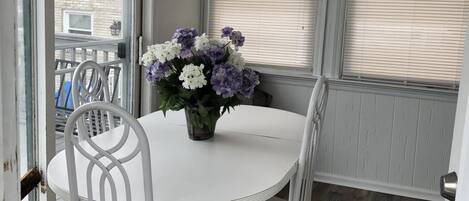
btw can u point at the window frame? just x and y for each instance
(315, 69)
(337, 70)
(66, 21)
(328, 55)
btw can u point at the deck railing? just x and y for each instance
(75, 47)
(70, 51)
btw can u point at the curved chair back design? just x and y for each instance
(303, 183)
(89, 84)
(104, 160)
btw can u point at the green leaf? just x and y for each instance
(202, 110)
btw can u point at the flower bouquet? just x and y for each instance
(204, 76)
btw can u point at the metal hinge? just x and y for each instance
(140, 49)
(30, 181)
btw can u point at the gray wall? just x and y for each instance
(380, 138)
(160, 19)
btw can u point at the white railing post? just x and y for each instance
(83, 54)
(105, 56)
(73, 56)
(62, 54)
(95, 55)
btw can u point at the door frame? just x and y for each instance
(134, 32)
(43, 43)
(43, 32)
(459, 159)
(463, 168)
(9, 176)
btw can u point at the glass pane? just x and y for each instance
(80, 21)
(90, 30)
(24, 90)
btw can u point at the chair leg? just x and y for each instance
(291, 190)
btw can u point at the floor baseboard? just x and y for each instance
(378, 187)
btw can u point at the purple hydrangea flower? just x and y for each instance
(237, 39)
(226, 80)
(186, 53)
(156, 71)
(215, 53)
(250, 81)
(185, 37)
(225, 32)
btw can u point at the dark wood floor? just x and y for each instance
(327, 192)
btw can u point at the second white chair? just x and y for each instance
(301, 185)
(89, 84)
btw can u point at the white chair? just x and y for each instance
(301, 186)
(64, 71)
(106, 160)
(89, 84)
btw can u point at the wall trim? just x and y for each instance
(378, 186)
(304, 80)
(394, 90)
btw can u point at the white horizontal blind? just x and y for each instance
(415, 41)
(278, 32)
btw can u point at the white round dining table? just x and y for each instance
(252, 156)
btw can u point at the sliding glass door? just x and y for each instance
(104, 31)
(25, 94)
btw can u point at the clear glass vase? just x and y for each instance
(199, 131)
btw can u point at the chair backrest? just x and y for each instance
(303, 186)
(63, 74)
(64, 71)
(106, 161)
(89, 84)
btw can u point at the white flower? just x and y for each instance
(148, 58)
(201, 42)
(237, 60)
(220, 42)
(166, 51)
(193, 76)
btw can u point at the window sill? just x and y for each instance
(301, 73)
(356, 83)
(303, 77)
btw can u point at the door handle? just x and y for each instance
(448, 185)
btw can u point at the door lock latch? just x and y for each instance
(448, 185)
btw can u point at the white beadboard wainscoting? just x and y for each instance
(380, 138)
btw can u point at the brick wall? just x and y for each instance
(104, 12)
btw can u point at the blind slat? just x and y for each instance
(278, 32)
(406, 40)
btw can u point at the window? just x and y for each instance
(410, 41)
(278, 32)
(78, 22)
